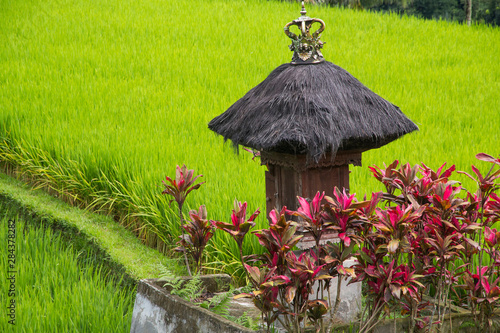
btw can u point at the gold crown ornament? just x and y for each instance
(306, 47)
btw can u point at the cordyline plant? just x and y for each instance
(314, 220)
(439, 237)
(416, 233)
(178, 188)
(239, 225)
(199, 230)
(485, 211)
(284, 281)
(312, 217)
(278, 240)
(419, 232)
(425, 234)
(420, 246)
(344, 215)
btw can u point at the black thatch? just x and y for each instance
(311, 109)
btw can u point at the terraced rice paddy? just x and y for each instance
(52, 290)
(101, 100)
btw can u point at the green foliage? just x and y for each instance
(190, 289)
(246, 321)
(483, 11)
(219, 304)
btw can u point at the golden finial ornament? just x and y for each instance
(305, 47)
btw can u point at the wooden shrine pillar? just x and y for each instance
(289, 176)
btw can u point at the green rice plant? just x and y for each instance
(101, 99)
(54, 291)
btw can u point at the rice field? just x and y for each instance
(101, 100)
(54, 291)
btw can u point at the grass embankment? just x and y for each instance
(100, 100)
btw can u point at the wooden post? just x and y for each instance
(289, 176)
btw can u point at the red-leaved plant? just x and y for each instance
(426, 234)
(438, 236)
(419, 232)
(199, 230)
(240, 225)
(178, 188)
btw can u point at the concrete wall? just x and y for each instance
(155, 310)
(350, 297)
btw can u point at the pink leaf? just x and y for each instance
(274, 218)
(487, 158)
(304, 207)
(347, 241)
(317, 200)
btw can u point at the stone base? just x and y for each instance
(350, 298)
(156, 311)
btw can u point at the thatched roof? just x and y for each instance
(311, 109)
